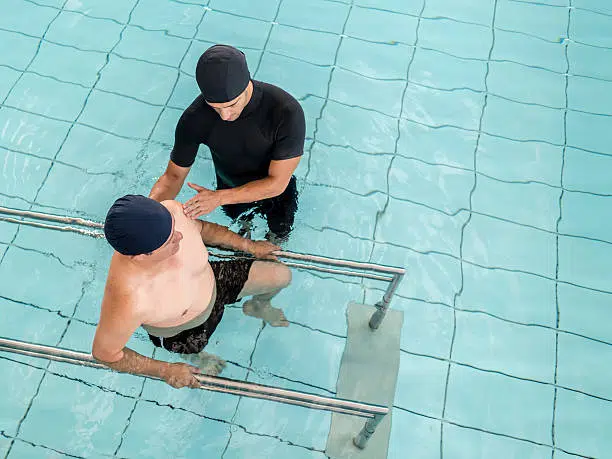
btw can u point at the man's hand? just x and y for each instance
(182, 375)
(263, 249)
(202, 203)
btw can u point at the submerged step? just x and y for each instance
(368, 373)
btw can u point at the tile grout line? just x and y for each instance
(148, 141)
(9, 92)
(240, 397)
(153, 402)
(35, 445)
(542, 3)
(128, 421)
(489, 432)
(48, 365)
(250, 364)
(73, 123)
(507, 375)
(293, 26)
(557, 223)
(263, 325)
(399, 199)
(368, 194)
(469, 310)
(406, 351)
(145, 144)
(39, 385)
(464, 226)
(326, 99)
(35, 198)
(557, 309)
(395, 154)
(123, 395)
(419, 123)
(166, 33)
(316, 96)
(495, 268)
(372, 289)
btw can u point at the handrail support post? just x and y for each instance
(368, 430)
(383, 305)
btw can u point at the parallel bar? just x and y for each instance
(212, 383)
(322, 269)
(51, 218)
(55, 358)
(283, 254)
(341, 272)
(375, 321)
(206, 384)
(71, 229)
(344, 263)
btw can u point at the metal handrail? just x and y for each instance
(343, 263)
(393, 275)
(51, 217)
(374, 413)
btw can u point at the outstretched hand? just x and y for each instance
(263, 249)
(182, 375)
(204, 202)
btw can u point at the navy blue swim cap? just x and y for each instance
(135, 225)
(222, 73)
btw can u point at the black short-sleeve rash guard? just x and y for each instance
(271, 127)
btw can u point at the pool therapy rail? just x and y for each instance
(389, 274)
(374, 413)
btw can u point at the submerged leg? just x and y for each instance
(266, 280)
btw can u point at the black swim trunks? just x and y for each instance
(230, 276)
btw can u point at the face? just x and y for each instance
(230, 111)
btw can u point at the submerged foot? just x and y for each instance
(274, 317)
(209, 364)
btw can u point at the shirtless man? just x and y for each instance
(160, 278)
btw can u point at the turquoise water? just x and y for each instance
(468, 141)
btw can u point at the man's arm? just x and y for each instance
(279, 174)
(220, 236)
(117, 323)
(170, 183)
(182, 156)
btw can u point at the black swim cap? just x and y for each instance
(135, 225)
(222, 73)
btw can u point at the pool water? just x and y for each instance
(468, 141)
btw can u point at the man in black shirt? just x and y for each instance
(255, 132)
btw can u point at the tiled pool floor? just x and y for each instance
(467, 141)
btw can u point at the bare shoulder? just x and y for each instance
(176, 209)
(172, 205)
